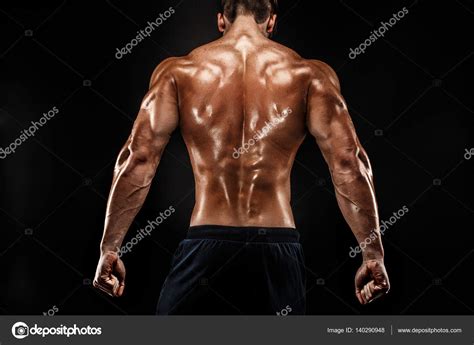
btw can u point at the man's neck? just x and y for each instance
(245, 26)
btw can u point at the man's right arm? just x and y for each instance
(134, 171)
(329, 122)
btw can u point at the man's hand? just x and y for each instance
(371, 281)
(110, 274)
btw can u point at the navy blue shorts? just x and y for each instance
(222, 270)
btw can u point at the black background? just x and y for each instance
(415, 85)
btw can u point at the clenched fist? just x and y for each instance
(371, 281)
(110, 274)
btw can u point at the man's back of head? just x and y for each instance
(257, 14)
(260, 9)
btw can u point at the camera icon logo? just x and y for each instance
(20, 330)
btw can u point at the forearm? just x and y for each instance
(356, 198)
(132, 179)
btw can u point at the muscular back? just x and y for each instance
(244, 104)
(242, 115)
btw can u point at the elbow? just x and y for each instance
(353, 183)
(140, 157)
(131, 158)
(350, 166)
(138, 166)
(142, 160)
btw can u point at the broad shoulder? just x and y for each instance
(321, 72)
(168, 69)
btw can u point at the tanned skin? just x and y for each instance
(219, 96)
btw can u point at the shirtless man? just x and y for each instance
(243, 104)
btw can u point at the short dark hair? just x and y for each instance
(261, 9)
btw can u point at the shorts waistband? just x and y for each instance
(243, 234)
